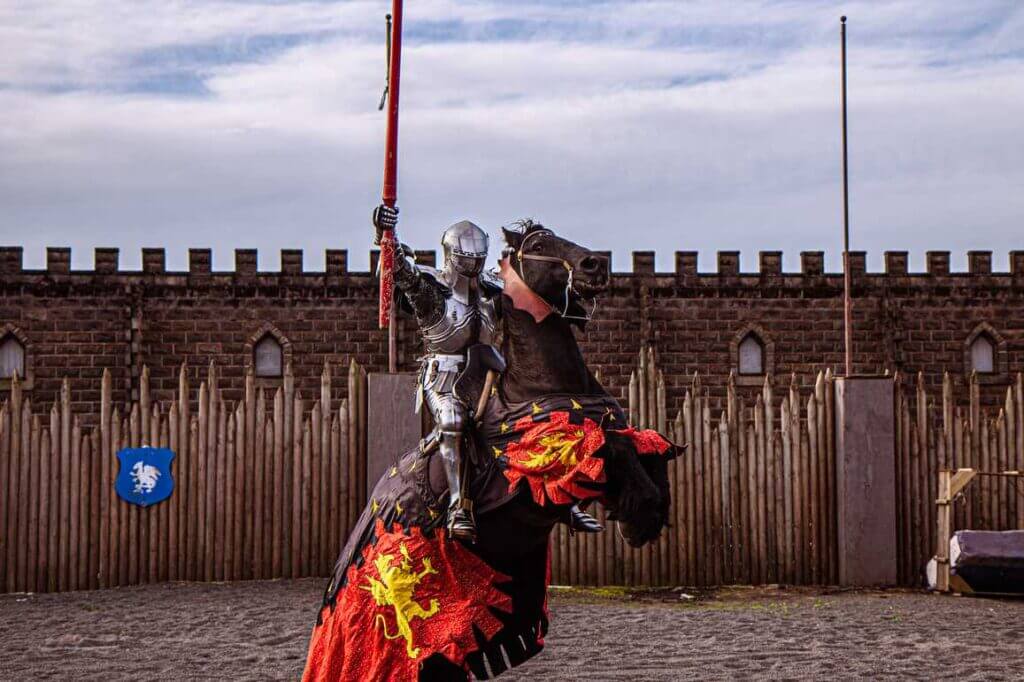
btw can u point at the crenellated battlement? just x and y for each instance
(106, 262)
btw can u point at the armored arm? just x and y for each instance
(425, 295)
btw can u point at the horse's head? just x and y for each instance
(561, 272)
(637, 490)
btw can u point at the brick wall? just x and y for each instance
(78, 323)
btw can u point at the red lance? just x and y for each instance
(390, 192)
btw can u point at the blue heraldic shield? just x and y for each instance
(145, 475)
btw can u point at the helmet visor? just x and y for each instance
(468, 266)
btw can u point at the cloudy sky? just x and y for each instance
(626, 125)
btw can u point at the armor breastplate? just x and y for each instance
(463, 325)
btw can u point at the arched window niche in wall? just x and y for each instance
(267, 353)
(14, 357)
(985, 355)
(752, 355)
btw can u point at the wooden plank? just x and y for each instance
(231, 447)
(361, 434)
(193, 537)
(203, 427)
(728, 509)
(15, 486)
(821, 450)
(84, 468)
(331, 545)
(286, 488)
(719, 547)
(760, 491)
(163, 517)
(239, 512)
(259, 546)
(700, 515)
(32, 519)
(115, 554)
(322, 481)
(789, 568)
(31, 495)
(353, 443)
(315, 453)
(222, 508)
(343, 491)
(1009, 461)
(210, 526)
(5, 466)
(174, 503)
(689, 494)
(278, 486)
(831, 501)
(74, 511)
(773, 476)
(95, 512)
(296, 487)
(45, 569)
(306, 497)
(917, 524)
(134, 537)
(799, 481)
(109, 472)
(814, 493)
(247, 462)
(151, 515)
(185, 481)
(714, 487)
(268, 440)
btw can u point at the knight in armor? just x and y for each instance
(456, 309)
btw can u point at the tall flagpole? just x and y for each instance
(847, 301)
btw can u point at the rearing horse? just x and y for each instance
(550, 437)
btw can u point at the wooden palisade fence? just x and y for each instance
(269, 486)
(264, 488)
(753, 494)
(946, 435)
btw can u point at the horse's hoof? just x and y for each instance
(582, 522)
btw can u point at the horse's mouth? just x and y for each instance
(587, 291)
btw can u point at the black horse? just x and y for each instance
(486, 608)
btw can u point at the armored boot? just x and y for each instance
(582, 522)
(460, 513)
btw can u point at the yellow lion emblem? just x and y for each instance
(397, 589)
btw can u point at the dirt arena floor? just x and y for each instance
(259, 631)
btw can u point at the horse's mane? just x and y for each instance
(523, 227)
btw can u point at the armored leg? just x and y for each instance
(450, 416)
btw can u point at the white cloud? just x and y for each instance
(644, 125)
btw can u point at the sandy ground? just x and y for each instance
(259, 631)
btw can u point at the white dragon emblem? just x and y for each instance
(144, 476)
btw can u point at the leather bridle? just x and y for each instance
(521, 257)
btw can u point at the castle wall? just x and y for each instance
(78, 323)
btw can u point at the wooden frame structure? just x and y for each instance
(951, 483)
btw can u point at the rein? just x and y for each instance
(564, 312)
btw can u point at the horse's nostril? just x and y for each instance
(591, 264)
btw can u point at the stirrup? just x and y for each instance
(461, 524)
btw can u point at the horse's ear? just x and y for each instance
(512, 237)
